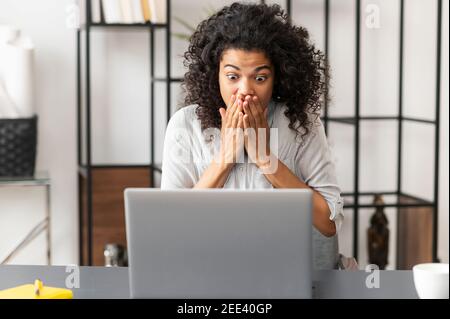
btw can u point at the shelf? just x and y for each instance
(343, 120)
(391, 199)
(353, 120)
(411, 119)
(82, 170)
(101, 187)
(124, 25)
(158, 79)
(395, 199)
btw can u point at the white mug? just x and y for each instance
(431, 280)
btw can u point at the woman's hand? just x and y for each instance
(255, 118)
(232, 134)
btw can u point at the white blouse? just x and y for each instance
(188, 152)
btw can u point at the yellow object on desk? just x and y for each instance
(36, 291)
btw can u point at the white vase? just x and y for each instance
(16, 74)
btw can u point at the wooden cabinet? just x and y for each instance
(415, 235)
(108, 211)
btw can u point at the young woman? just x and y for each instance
(254, 89)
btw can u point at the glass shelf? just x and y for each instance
(39, 178)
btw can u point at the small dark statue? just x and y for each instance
(378, 236)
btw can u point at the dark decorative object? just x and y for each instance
(18, 139)
(378, 235)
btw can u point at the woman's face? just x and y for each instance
(246, 73)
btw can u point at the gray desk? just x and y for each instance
(112, 282)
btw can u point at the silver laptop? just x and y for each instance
(219, 243)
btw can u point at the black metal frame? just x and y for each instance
(85, 171)
(355, 121)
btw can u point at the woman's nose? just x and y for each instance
(245, 89)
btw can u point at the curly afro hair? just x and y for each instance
(301, 72)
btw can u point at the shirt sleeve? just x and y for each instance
(178, 169)
(314, 160)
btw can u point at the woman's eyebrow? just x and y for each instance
(231, 66)
(259, 68)
(265, 66)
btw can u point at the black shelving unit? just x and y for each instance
(352, 199)
(85, 169)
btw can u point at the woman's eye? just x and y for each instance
(260, 78)
(232, 76)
